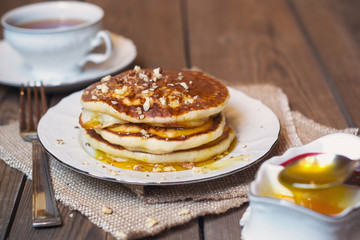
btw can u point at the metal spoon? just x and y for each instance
(317, 171)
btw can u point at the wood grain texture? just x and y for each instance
(245, 42)
(75, 227)
(10, 189)
(229, 221)
(333, 29)
(188, 231)
(154, 26)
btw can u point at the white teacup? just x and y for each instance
(57, 52)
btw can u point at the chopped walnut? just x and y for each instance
(146, 105)
(138, 167)
(169, 169)
(114, 102)
(137, 69)
(156, 169)
(143, 77)
(94, 97)
(106, 78)
(184, 212)
(107, 210)
(199, 169)
(138, 110)
(189, 101)
(121, 91)
(157, 70)
(163, 101)
(144, 133)
(188, 165)
(104, 88)
(60, 141)
(150, 222)
(156, 74)
(142, 116)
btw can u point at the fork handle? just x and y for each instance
(45, 212)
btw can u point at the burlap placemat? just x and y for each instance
(143, 211)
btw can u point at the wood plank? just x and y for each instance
(333, 29)
(9, 104)
(188, 231)
(10, 188)
(244, 42)
(11, 180)
(229, 221)
(22, 228)
(154, 26)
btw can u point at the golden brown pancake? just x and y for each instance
(158, 140)
(157, 97)
(196, 154)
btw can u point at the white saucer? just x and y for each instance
(14, 71)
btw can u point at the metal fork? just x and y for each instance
(44, 210)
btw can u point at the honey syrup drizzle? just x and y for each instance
(140, 166)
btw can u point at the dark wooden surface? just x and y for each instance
(309, 48)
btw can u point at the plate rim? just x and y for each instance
(181, 182)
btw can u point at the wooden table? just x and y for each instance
(309, 48)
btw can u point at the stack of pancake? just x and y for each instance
(157, 116)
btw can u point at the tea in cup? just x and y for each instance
(56, 38)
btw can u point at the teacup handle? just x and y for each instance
(101, 36)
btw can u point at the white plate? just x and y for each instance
(14, 71)
(256, 127)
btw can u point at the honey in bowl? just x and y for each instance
(330, 199)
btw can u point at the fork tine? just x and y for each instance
(37, 107)
(22, 108)
(30, 111)
(43, 99)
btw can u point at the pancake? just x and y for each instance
(196, 154)
(159, 140)
(157, 97)
(94, 120)
(98, 120)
